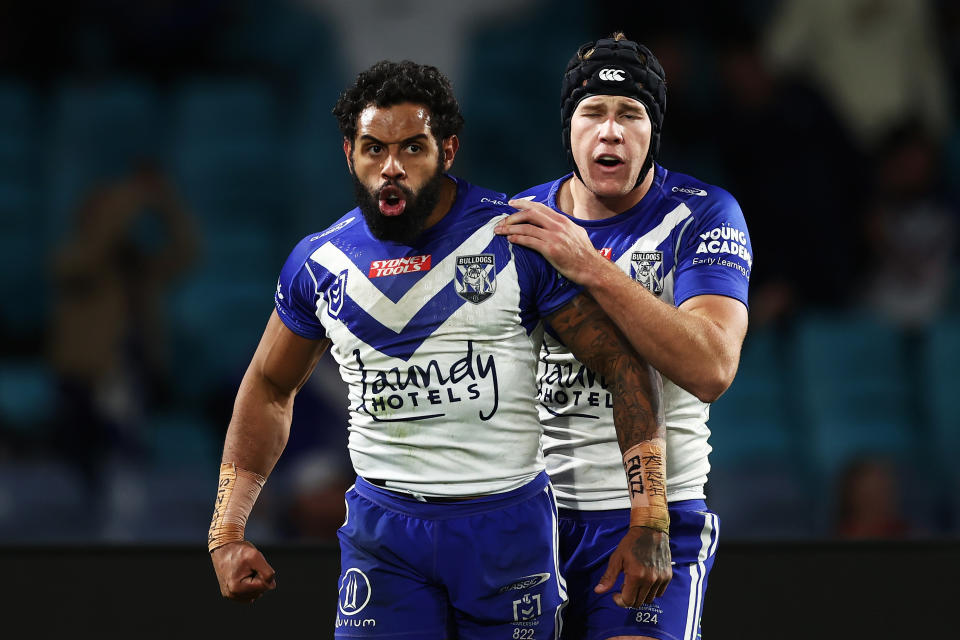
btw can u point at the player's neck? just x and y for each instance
(575, 199)
(448, 195)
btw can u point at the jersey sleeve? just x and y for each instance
(297, 294)
(542, 289)
(715, 255)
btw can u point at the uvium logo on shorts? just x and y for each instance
(475, 277)
(354, 592)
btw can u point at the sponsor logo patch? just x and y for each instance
(335, 295)
(396, 266)
(725, 239)
(612, 75)
(332, 229)
(475, 277)
(690, 191)
(354, 592)
(647, 269)
(526, 608)
(526, 582)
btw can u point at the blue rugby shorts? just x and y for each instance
(587, 538)
(483, 568)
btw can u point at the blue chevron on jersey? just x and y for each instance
(432, 339)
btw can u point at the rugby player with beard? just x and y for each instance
(451, 526)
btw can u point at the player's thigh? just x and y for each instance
(506, 584)
(382, 586)
(675, 615)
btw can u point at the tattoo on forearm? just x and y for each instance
(645, 475)
(598, 344)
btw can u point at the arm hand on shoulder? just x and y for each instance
(255, 439)
(696, 345)
(644, 553)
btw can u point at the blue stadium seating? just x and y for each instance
(98, 131)
(28, 396)
(227, 153)
(752, 420)
(43, 501)
(941, 369)
(321, 186)
(855, 389)
(507, 94)
(23, 249)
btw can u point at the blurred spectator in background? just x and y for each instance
(910, 229)
(315, 504)
(107, 341)
(868, 501)
(797, 173)
(877, 61)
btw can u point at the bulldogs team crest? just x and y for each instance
(476, 277)
(647, 267)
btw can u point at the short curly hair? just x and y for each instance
(389, 83)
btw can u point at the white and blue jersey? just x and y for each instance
(437, 342)
(683, 239)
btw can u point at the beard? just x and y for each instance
(406, 227)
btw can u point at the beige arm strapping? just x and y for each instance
(646, 467)
(237, 492)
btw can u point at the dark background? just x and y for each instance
(778, 590)
(159, 159)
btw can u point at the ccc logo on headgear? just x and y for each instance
(612, 75)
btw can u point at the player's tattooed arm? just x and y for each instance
(636, 386)
(644, 553)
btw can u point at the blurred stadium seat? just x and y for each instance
(217, 323)
(758, 481)
(180, 441)
(321, 186)
(752, 420)
(28, 395)
(229, 160)
(21, 223)
(855, 390)
(98, 130)
(507, 94)
(941, 369)
(43, 501)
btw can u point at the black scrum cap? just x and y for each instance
(615, 68)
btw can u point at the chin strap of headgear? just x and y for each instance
(615, 68)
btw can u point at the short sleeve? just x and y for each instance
(297, 294)
(542, 289)
(715, 255)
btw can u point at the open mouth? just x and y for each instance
(608, 160)
(392, 201)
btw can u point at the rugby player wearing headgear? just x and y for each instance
(435, 322)
(669, 258)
